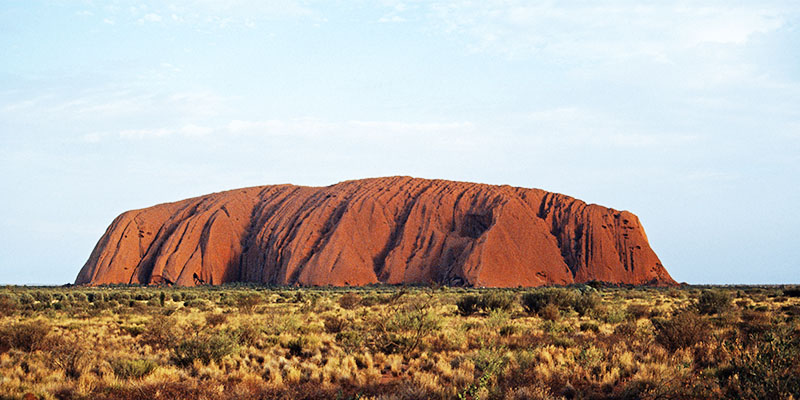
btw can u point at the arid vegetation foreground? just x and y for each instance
(230, 342)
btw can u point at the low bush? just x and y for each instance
(199, 304)
(26, 336)
(133, 369)
(590, 326)
(216, 319)
(508, 330)
(767, 369)
(682, 330)
(586, 302)
(133, 330)
(247, 333)
(247, 303)
(159, 332)
(468, 305)
(497, 300)
(550, 312)
(25, 299)
(205, 348)
(7, 305)
(713, 302)
(565, 299)
(349, 301)
(638, 311)
(72, 355)
(613, 314)
(626, 330)
(297, 345)
(334, 324)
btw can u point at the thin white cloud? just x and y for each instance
(391, 19)
(605, 32)
(305, 128)
(205, 14)
(189, 130)
(573, 126)
(730, 25)
(93, 137)
(151, 17)
(314, 127)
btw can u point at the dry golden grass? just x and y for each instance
(399, 343)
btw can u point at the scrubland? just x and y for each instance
(244, 342)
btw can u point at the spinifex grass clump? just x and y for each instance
(133, 369)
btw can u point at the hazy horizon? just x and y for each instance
(687, 115)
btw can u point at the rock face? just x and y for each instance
(385, 230)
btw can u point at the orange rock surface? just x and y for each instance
(385, 230)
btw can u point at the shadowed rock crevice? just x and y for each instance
(475, 225)
(384, 230)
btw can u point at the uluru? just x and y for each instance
(394, 230)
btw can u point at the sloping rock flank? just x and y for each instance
(386, 230)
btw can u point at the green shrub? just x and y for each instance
(25, 299)
(404, 329)
(199, 304)
(533, 302)
(133, 369)
(350, 339)
(497, 300)
(681, 331)
(713, 302)
(417, 321)
(468, 305)
(613, 314)
(586, 302)
(205, 348)
(42, 297)
(565, 299)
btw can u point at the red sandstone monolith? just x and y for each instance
(395, 230)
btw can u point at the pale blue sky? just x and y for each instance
(685, 113)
